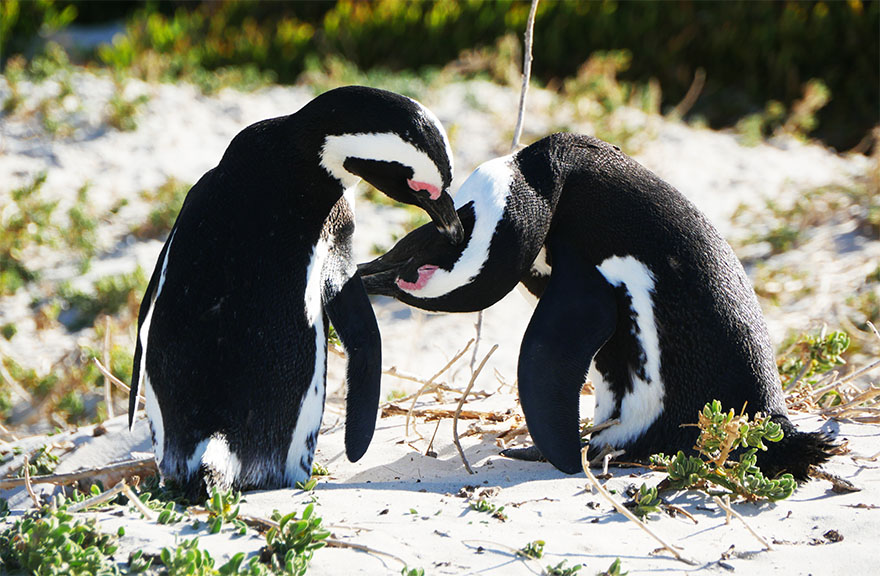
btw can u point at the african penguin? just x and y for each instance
(232, 330)
(629, 275)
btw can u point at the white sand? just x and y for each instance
(183, 134)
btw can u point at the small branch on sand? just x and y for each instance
(119, 383)
(427, 386)
(440, 413)
(461, 403)
(99, 499)
(629, 515)
(333, 543)
(725, 505)
(108, 391)
(136, 502)
(141, 467)
(526, 76)
(27, 481)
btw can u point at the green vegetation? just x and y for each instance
(42, 462)
(533, 550)
(562, 570)
(811, 355)
(720, 434)
(292, 545)
(25, 223)
(110, 294)
(222, 509)
(483, 505)
(645, 501)
(166, 201)
(613, 570)
(787, 53)
(51, 542)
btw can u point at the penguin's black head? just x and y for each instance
(425, 271)
(410, 270)
(392, 142)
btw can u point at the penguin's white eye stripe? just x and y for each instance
(436, 122)
(384, 147)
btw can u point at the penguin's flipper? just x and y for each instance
(352, 316)
(574, 318)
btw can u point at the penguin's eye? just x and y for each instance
(433, 191)
(424, 274)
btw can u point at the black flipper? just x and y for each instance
(352, 316)
(574, 318)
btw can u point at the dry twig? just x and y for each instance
(99, 499)
(725, 505)
(128, 468)
(629, 515)
(461, 403)
(430, 382)
(27, 481)
(108, 391)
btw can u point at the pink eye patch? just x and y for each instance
(433, 191)
(425, 273)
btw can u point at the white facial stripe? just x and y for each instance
(385, 147)
(488, 187)
(641, 407)
(436, 121)
(215, 454)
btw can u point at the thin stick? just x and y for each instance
(478, 328)
(629, 515)
(731, 512)
(393, 371)
(108, 391)
(461, 403)
(333, 543)
(136, 502)
(109, 376)
(27, 481)
(430, 381)
(139, 467)
(527, 73)
(99, 499)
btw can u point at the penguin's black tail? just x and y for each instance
(796, 453)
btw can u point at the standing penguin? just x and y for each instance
(232, 330)
(629, 275)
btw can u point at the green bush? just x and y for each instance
(752, 52)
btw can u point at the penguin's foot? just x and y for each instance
(529, 454)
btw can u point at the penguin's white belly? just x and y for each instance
(640, 407)
(298, 465)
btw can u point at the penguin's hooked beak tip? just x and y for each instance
(453, 232)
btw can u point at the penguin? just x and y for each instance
(230, 353)
(629, 277)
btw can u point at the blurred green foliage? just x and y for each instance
(752, 52)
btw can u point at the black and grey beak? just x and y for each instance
(380, 275)
(442, 212)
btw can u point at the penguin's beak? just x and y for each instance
(380, 275)
(442, 212)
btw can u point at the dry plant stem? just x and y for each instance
(461, 403)
(6, 431)
(108, 391)
(693, 93)
(513, 551)
(140, 467)
(731, 512)
(430, 382)
(136, 502)
(478, 328)
(527, 73)
(629, 515)
(109, 376)
(333, 543)
(99, 499)
(27, 481)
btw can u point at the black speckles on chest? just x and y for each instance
(623, 357)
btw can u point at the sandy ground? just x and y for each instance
(396, 499)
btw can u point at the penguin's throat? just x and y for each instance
(425, 273)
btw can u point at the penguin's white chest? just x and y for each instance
(640, 407)
(301, 451)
